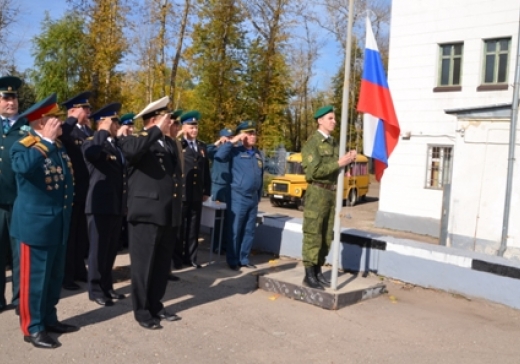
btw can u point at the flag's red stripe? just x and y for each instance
(25, 270)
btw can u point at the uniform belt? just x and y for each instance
(326, 186)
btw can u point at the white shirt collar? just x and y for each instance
(325, 135)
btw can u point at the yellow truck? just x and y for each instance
(290, 188)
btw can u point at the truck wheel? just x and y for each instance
(274, 202)
(300, 204)
(352, 197)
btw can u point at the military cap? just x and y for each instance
(154, 108)
(246, 126)
(226, 132)
(9, 86)
(322, 111)
(176, 114)
(127, 119)
(107, 111)
(46, 107)
(80, 100)
(190, 117)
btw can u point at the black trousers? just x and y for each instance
(104, 232)
(151, 248)
(187, 245)
(9, 254)
(77, 245)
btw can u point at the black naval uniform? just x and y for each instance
(106, 199)
(77, 245)
(196, 184)
(152, 213)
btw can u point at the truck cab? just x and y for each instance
(291, 187)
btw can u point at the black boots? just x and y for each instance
(310, 279)
(320, 277)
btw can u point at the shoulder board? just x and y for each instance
(90, 138)
(29, 140)
(143, 133)
(58, 143)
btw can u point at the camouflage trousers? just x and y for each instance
(318, 224)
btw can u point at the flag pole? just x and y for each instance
(342, 149)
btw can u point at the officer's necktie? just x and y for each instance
(5, 125)
(192, 145)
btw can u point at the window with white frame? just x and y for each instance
(439, 163)
(450, 65)
(496, 56)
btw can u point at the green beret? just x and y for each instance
(176, 114)
(190, 117)
(322, 111)
(127, 119)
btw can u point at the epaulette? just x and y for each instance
(28, 141)
(90, 138)
(143, 133)
(58, 143)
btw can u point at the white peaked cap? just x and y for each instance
(154, 107)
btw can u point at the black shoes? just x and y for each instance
(153, 324)
(114, 295)
(71, 286)
(165, 315)
(192, 264)
(42, 340)
(248, 265)
(310, 279)
(61, 328)
(320, 277)
(172, 277)
(102, 301)
(236, 268)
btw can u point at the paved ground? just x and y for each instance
(225, 319)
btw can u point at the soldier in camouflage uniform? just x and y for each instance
(321, 163)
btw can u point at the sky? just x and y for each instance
(33, 12)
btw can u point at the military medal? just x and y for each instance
(48, 180)
(58, 169)
(49, 188)
(53, 169)
(62, 177)
(56, 186)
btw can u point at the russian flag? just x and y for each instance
(380, 125)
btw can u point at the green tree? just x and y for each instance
(59, 53)
(217, 62)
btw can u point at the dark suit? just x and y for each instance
(153, 211)
(77, 245)
(196, 184)
(106, 198)
(8, 244)
(41, 220)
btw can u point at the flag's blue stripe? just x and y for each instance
(373, 70)
(379, 151)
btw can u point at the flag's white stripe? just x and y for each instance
(370, 40)
(369, 133)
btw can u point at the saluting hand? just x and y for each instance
(105, 124)
(52, 129)
(164, 124)
(122, 131)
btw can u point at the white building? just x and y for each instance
(451, 74)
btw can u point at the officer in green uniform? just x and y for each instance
(43, 173)
(321, 163)
(12, 130)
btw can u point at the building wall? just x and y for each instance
(417, 29)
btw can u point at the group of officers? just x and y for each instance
(69, 192)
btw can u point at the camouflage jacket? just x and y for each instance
(320, 159)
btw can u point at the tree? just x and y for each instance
(107, 45)
(9, 12)
(59, 53)
(217, 61)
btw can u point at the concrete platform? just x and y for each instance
(352, 288)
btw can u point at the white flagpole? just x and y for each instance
(342, 147)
